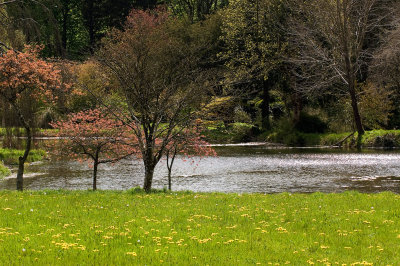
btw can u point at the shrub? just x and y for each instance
(310, 124)
(242, 132)
(241, 116)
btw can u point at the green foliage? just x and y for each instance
(123, 228)
(219, 108)
(310, 124)
(285, 133)
(240, 116)
(242, 132)
(10, 156)
(251, 45)
(375, 106)
(195, 10)
(236, 132)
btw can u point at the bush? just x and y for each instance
(310, 124)
(242, 132)
(241, 116)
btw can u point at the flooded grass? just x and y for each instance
(10, 156)
(118, 228)
(4, 171)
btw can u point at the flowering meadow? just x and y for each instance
(183, 228)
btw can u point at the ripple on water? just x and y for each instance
(251, 168)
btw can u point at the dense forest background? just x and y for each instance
(266, 67)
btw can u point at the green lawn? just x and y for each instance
(116, 228)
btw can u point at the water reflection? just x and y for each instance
(238, 169)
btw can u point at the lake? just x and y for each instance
(246, 168)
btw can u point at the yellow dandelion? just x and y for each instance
(131, 253)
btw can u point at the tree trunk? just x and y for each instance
(349, 67)
(148, 176)
(95, 164)
(265, 105)
(3, 114)
(169, 180)
(65, 16)
(297, 107)
(356, 112)
(170, 163)
(89, 14)
(20, 174)
(353, 97)
(22, 159)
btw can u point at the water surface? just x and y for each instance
(241, 169)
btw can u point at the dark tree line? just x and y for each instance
(270, 61)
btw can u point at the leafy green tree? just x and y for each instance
(195, 10)
(253, 47)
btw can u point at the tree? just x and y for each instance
(375, 106)
(35, 19)
(333, 41)
(253, 46)
(189, 143)
(9, 35)
(95, 136)
(23, 74)
(157, 76)
(102, 15)
(385, 69)
(196, 10)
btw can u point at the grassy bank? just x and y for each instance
(373, 138)
(117, 228)
(242, 132)
(38, 132)
(234, 133)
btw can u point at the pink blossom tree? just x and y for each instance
(94, 136)
(24, 74)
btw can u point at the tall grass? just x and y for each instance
(120, 228)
